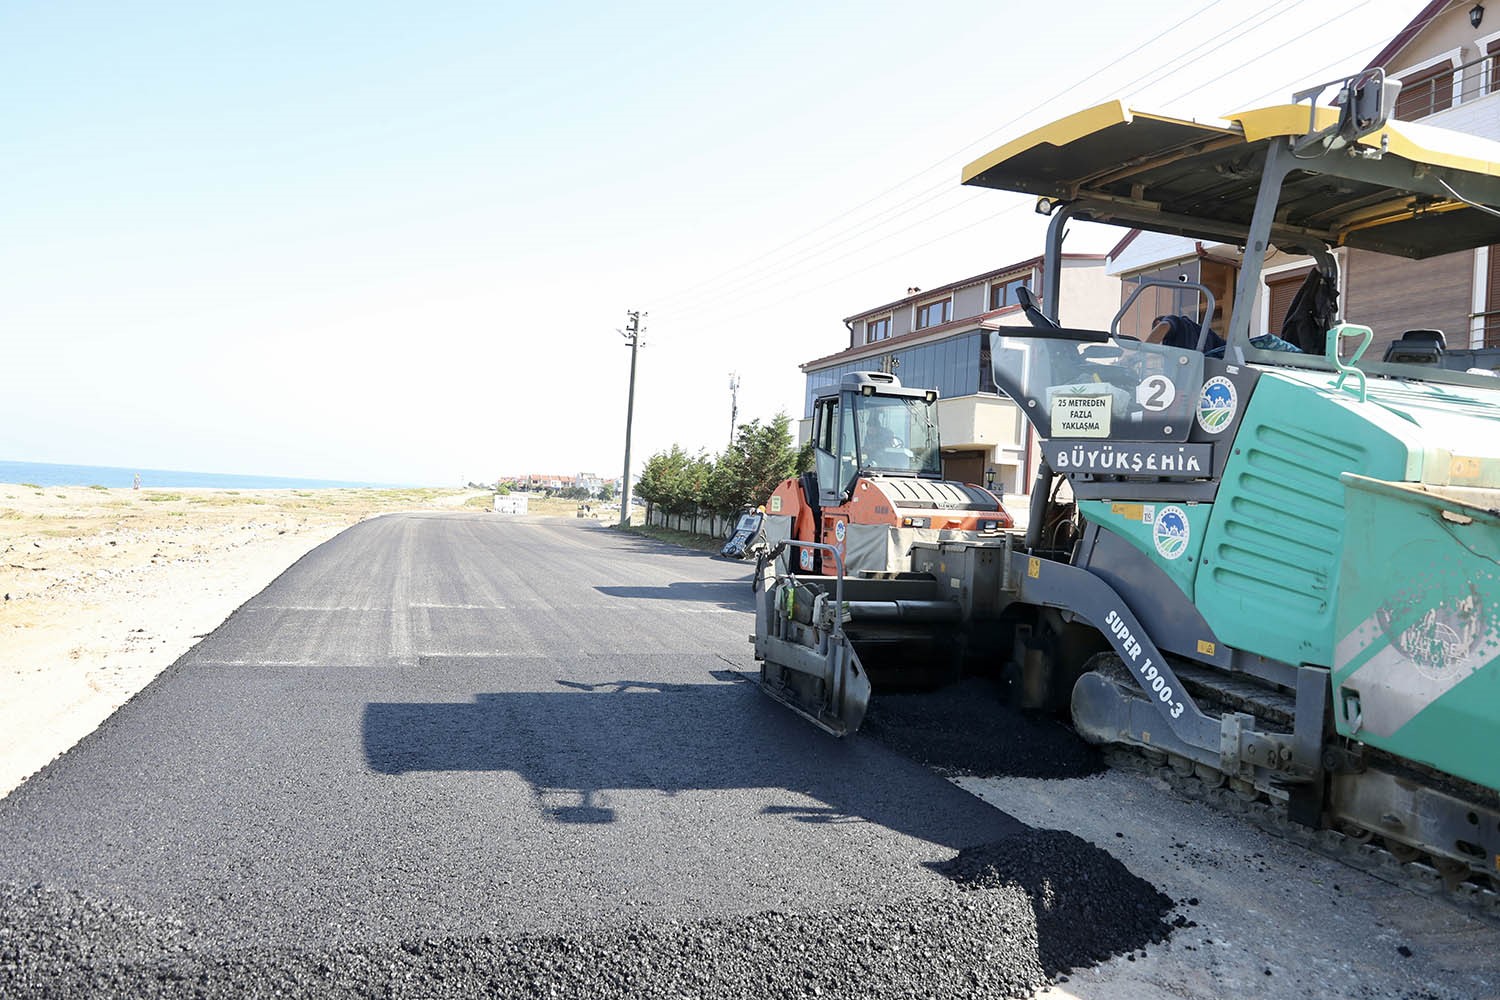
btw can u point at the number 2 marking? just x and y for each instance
(1156, 392)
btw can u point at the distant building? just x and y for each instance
(938, 338)
(536, 482)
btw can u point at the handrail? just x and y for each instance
(1144, 283)
(838, 587)
(1335, 340)
(1466, 82)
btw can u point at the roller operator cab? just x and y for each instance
(1275, 564)
(877, 484)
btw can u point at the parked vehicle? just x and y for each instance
(877, 485)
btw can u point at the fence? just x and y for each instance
(696, 522)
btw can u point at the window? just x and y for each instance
(1283, 287)
(877, 329)
(1425, 92)
(1003, 293)
(1492, 302)
(825, 436)
(897, 435)
(934, 313)
(1157, 300)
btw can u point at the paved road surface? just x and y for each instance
(437, 727)
(459, 724)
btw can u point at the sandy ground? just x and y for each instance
(1270, 919)
(105, 588)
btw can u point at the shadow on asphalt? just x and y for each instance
(659, 547)
(726, 593)
(576, 745)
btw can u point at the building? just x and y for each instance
(1448, 61)
(938, 338)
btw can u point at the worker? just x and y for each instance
(883, 446)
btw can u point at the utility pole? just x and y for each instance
(734, 404)
(632, 334)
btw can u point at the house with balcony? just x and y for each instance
(939, 338)
(1448, 61)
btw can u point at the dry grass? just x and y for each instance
(685, 539)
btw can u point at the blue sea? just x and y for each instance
(47, 474)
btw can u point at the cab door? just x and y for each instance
(826, 449)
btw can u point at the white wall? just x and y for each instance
(1088, 297)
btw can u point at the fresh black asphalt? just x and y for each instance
(443, 750)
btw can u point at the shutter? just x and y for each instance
(1492, 300)
(1425, 93)
(1283, 288)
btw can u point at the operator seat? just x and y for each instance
(1184, 334)
(1417, 347)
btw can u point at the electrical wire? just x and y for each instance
(754, 281)
(753, 294)
(946, 159)
(945, 187)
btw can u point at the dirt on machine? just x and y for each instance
(1259, 552)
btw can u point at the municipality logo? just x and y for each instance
(1171, 531)
(1216, 404)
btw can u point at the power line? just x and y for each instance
(720, 301)
(1252, 59)
(1328, 66)
(944, 161)
(798, 261)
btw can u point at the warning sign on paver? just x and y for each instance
(1080, 416)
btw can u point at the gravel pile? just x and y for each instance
(1020, 912)
(1088, 906)
(968, 729)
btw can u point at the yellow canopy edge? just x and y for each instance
(1412, 141)
(1058, 133)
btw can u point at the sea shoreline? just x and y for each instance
(123, 477)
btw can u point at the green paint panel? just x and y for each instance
(1142, 523)
(1270, 561)
(1417, 665)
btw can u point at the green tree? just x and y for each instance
(607, 492)
(749, 470)
(674, 480)
(805, 458)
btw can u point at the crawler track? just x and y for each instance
(1363, 849)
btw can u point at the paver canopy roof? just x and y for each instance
(1200, 179)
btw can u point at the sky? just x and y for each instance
(396, 242)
